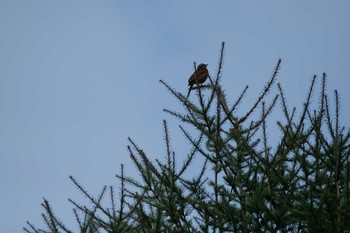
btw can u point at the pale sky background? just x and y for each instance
(79, 77)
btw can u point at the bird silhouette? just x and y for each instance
(199, 76)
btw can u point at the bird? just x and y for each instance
(199, 76)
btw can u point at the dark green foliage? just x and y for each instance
(241, 183)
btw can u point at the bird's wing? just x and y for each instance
(192, 79)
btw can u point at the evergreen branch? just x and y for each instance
(77, 219)
(221, 61)
(267, 88)
(32, 227)
(95, 202)
(190, 157)
(216, 82)
(306, 105)
(144, 158)
(122, 195)
(284, 103)
(235, 105)
(263, 114)
(328, 117)
(195, 144)
(180, 97)
(171, 163)
(52, 221)
(89, 217)
(266, 114)
(183, 118)
(337, 106)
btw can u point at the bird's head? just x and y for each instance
(202, 66)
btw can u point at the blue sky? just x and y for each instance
(79, 77)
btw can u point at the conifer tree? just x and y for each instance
(243, 183)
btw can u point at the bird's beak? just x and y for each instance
(206, 64)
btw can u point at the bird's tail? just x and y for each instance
(189, 91)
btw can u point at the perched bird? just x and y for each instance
(199, 76)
